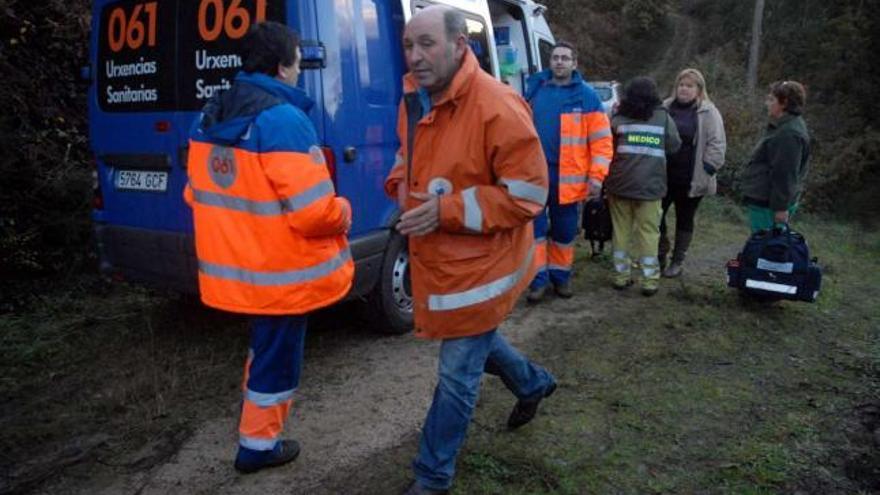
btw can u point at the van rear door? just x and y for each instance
(156, 63)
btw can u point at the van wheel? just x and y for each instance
(391, 302)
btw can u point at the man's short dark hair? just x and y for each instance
(268, 44)
(454, 23)
(566, 44)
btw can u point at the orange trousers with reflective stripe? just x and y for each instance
(555, 231)
(271, 375)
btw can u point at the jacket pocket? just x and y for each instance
(446, 247)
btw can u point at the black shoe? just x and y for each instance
(286, 451)
(535, 295)
(564, 290)
(416, 489)
(525, 410)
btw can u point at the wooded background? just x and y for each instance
(831, 47)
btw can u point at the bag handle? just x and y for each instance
(782, 229)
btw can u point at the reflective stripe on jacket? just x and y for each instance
(269, 230)
(639, 167)
(478, 150)
(585, 141)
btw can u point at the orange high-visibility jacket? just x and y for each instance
(586, 145)
(477, 148)
(269, 230)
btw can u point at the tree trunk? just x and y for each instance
(755, 48)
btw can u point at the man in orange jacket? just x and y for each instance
(470, 177)
(269, 230)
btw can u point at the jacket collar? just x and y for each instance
(704, 105)
(543, 78)
(782, 121)
(285, 92)
(460, 81)
(227, 117)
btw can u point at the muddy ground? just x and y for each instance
(692, 391)
(361, 394)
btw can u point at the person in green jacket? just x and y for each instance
(644, 134)
(773, 181)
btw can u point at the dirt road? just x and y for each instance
(361, 394)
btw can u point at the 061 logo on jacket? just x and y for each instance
(222, 167)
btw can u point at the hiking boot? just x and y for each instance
(650, 287)
(674, 270)
(525, 410)
(285, 451)
(563, 290)
(535, 295)
(416, 489)
(682, 243)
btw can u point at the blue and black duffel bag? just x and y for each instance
(775, 264)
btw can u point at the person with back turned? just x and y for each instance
(269, 229)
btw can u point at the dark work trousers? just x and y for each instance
(685, 209)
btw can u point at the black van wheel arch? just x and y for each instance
(390, 303)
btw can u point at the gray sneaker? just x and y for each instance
(673, 270)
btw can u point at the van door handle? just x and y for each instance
(349, 154)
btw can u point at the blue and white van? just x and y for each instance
(154, 63)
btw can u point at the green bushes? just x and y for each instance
(44, 200)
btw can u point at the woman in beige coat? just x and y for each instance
(691, 170)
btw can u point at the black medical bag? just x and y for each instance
(596, 222)
(775, 264)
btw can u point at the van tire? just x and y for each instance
(390, 303)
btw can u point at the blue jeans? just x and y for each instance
(462, 363)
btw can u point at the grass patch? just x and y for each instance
(109, 374)
(693, 391)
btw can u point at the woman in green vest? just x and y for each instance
(773, 181)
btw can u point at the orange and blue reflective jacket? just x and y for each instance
(269, 229)
(575, 133)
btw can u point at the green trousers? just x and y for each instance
(636, 234)
(761, 218)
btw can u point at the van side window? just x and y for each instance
(478, 38)
(545, 48)
(372, 30)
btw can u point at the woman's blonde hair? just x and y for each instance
(697, 76)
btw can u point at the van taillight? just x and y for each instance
(97, 195)
(162, 126)
(330, 160)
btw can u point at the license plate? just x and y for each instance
(142, 180)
